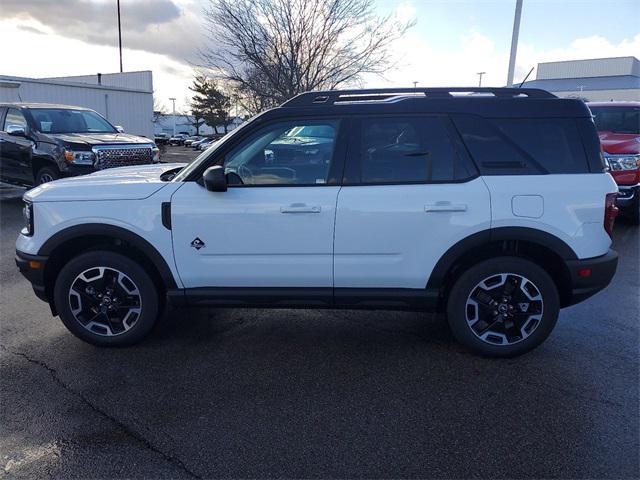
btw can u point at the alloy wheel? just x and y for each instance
(504, 309)
(105, 301)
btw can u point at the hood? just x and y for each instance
(125, 183)
(620, 143)
(93, 139)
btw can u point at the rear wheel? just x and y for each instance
(106, 299)
(46, 174)
(503, 307)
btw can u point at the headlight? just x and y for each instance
(27, 214)
(79, 157)
(618, 163)
(156, 154)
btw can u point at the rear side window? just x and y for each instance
(524, 146)
(412, 149)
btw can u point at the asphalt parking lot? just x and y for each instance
(287, 393)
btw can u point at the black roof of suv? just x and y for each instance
(486, 102)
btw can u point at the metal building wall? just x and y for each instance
(142, 80)
(597, 67)
(132, 109)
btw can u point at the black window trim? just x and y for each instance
(457, 144)
(336, 169)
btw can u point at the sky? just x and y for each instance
(450, 42)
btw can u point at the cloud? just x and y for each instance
(439, 65)
(61, 56)
(157, 26)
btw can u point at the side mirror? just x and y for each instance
(16, 130)
(119, 128)
(215, 179)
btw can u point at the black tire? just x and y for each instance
(534, 328)
(46, 174)
(146, 297)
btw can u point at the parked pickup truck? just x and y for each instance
(618, 125)
(43, 142)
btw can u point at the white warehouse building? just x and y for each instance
(125, 99)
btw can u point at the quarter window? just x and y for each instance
(407, 150)
(286, 153)
(14, 117)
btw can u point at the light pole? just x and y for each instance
(415, 84)
(480, 74)
(174, 115)
(514, 43)
(119, 36)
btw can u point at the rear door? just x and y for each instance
(410, 192)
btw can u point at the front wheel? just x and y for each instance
(106, 299)
(46, 175)
(503, 307)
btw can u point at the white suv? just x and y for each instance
(492, 207)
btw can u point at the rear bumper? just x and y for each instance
(32, 268)
(601, 271)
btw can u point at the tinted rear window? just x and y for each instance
(523, 146)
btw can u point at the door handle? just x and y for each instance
(445, 207)
(300, 208)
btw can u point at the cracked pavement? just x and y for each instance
(286, 393)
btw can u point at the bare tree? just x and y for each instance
(158, 109)
(272, 50)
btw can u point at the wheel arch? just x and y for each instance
(545, 249)
(71, 241)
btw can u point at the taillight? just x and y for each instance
(610, 212)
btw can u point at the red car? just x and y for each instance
(618, 125)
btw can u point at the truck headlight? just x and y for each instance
(27, 215)
(79, 157)
(617, 163)
(156, 154)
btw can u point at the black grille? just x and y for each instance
(123, 157)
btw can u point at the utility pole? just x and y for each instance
(174, 115)
(119, 36)
(480, 74)
(415, 84)
(514, 43)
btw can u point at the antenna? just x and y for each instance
(525, 78)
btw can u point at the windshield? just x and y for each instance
(617, 119)
(66, 120)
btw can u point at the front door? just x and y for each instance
(273, 227)
(15, 150)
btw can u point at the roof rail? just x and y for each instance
(331, 97)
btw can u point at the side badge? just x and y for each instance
(197, 243)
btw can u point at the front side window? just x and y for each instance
(14, 117)
(285, 153)
(407, 150)
(66, 120)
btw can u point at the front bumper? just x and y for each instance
(32, 268)
(600, 272)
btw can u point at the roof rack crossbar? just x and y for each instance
(330, 97)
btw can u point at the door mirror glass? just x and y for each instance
(16, 130)
(119, 128)
(214, 179)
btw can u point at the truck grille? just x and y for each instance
(122, 156)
